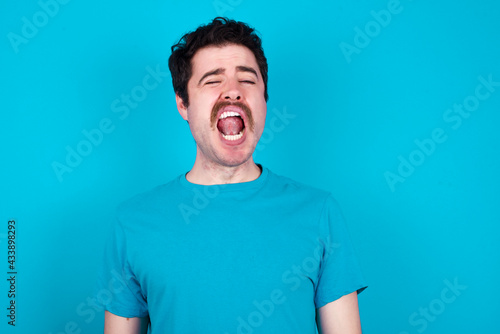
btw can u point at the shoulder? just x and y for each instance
(289, 185)
(147, 200)
(299, 193)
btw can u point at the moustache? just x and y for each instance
(221, 104)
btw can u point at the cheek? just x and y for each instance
(260, 122)
(199, 111)
(262, 113)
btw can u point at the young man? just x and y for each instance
(229, 247)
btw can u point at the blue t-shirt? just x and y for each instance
(252, 257)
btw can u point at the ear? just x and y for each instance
(181, 107)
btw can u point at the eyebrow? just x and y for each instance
(214, 72)
(246, 69)
(222, 70)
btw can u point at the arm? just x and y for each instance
(340, 316)
(114, 324)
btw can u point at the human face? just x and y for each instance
(225, 80)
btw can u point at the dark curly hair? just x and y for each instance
(221, 31)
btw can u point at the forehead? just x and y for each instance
(227, 57)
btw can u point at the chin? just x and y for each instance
(234, 160)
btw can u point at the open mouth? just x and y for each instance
(231, 125)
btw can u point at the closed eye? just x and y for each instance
(211, 82)
(248, 82)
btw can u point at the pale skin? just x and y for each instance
(231, 73)
(338, 317)
(114, 324)
(217, 162)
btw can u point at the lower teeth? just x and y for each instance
(233, 137)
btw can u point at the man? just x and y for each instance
(229, 247)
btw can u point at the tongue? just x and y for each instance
(230, 125)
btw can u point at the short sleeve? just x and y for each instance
(118, 290)
(339, 272)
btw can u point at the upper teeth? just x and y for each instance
(228, 114)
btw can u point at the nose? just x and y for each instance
(232, 91)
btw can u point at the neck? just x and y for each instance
(210, 173)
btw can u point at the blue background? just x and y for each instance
(354, 116)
